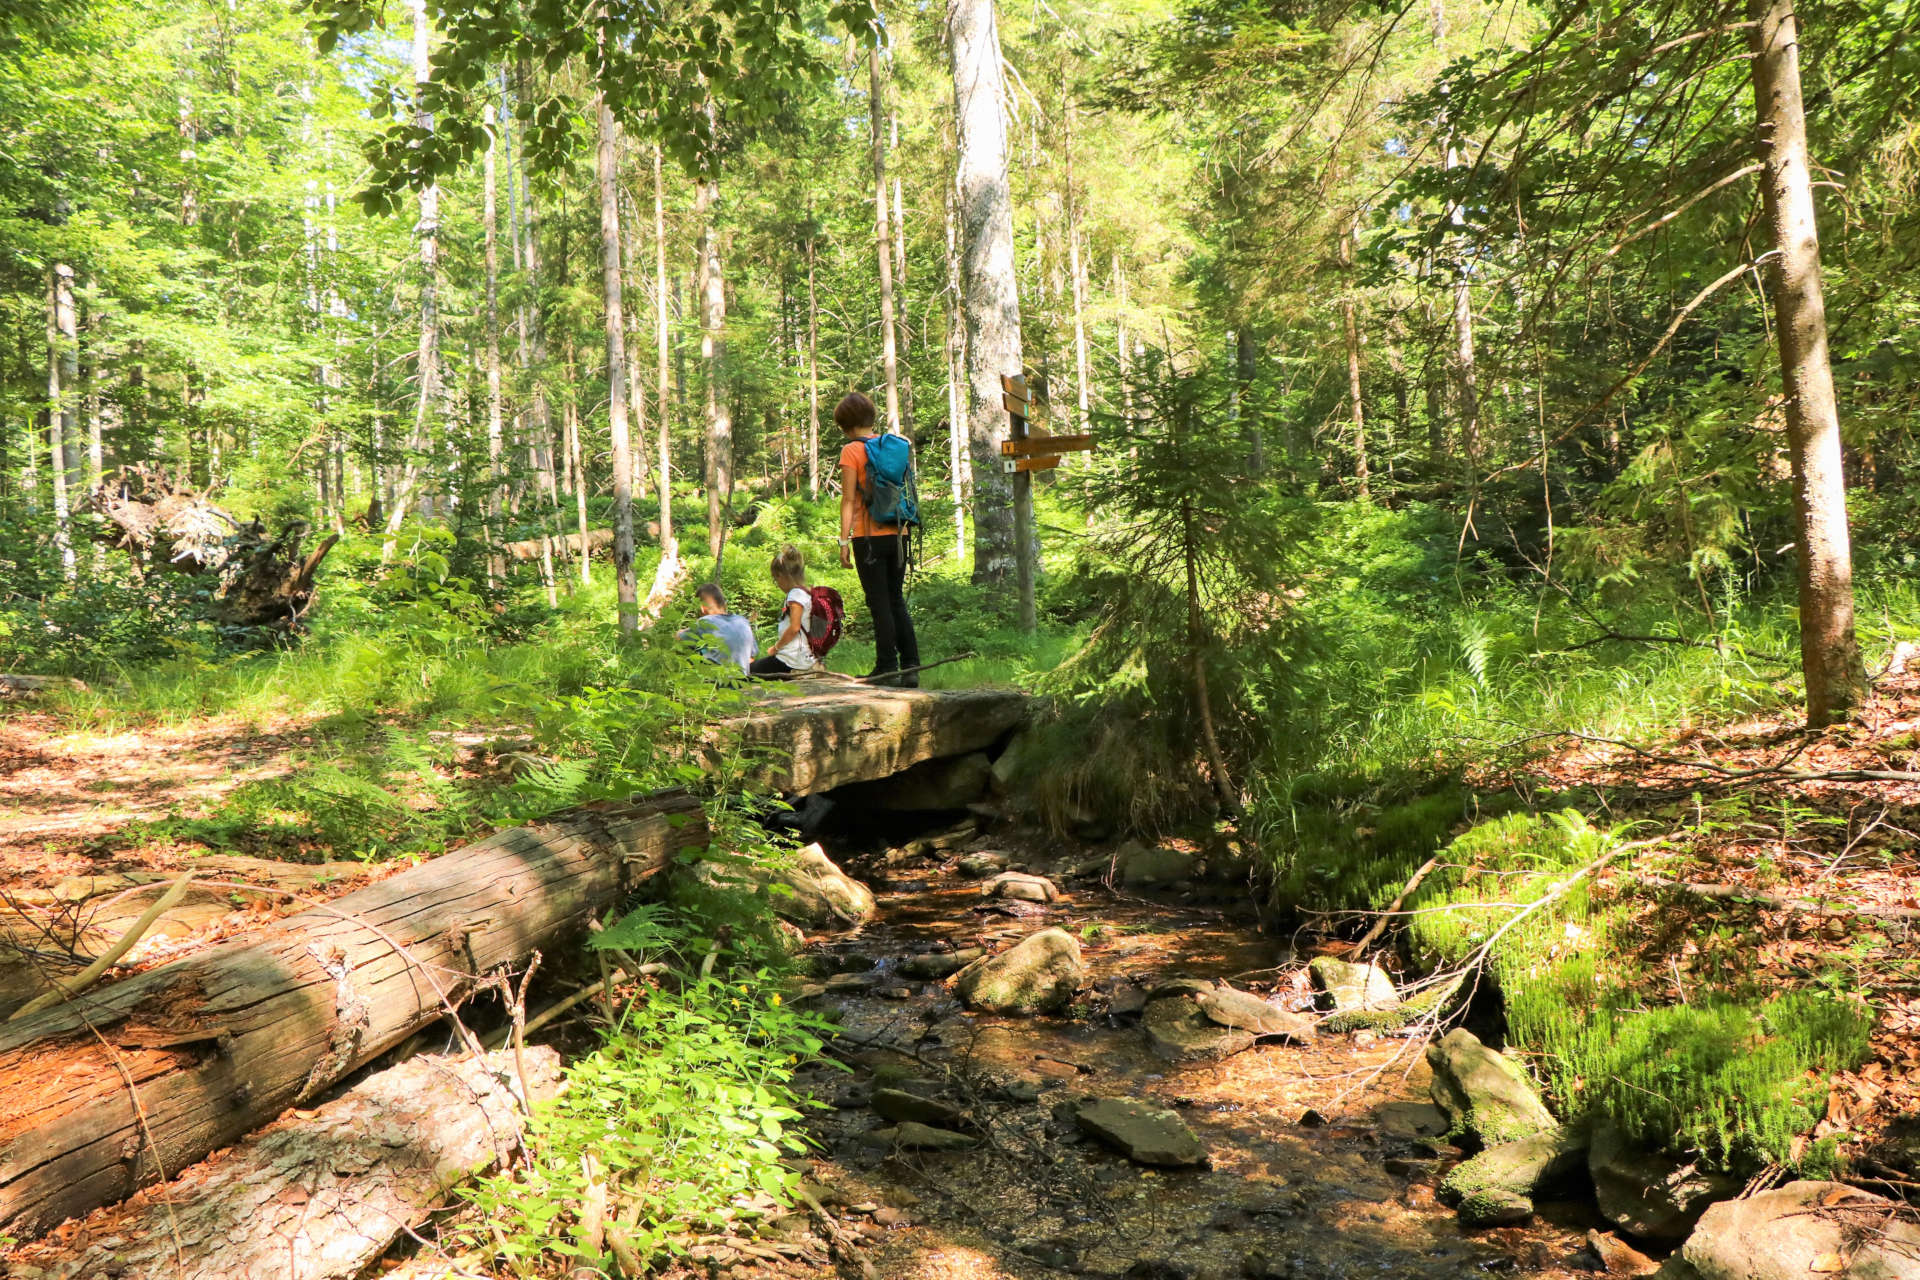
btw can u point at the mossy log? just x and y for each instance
(314, 1196)
(133, 1082)
(818, 736)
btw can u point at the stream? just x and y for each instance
(1323, 1158)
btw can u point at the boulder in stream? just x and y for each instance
(913, 1135)
(901, 1106)
(1494, 1208)
(1344, 986)
(1244, 1011)
(1486, 1097)
(1038, 974)
(939, 965)
(1799, 1230)
(811, 891)
(982, 863)
(1140, 1131)
(1142, 866)
(1179, 1030)
(1021, 887)
(1524, 1168)
(1651, 1193)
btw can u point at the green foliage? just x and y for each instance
(684, 1113)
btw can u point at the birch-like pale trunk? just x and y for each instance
(663, 374)
(528, 429)
(635, 286)
(958, 472)
(1829, 652)
(1121, 362)
(606, 167)
(813, 379)
(1082, 365)
(1348, 235)
(713, 350)
(898, 229)
(991, 297)
(889, 349)
(427, 358)
(1466, 392)
(60, 426)
(490, 230)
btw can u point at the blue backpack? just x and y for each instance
(891, 495)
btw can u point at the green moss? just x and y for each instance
(1735, 1077)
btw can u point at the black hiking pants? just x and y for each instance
(882, 565)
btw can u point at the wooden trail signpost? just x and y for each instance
(1022, 454)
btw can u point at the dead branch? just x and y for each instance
(95, 971)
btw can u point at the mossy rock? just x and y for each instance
(1525, 1168)
(1494, 1208)
(1487, 1097)
(1423, 1004)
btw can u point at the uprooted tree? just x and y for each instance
(162, 521)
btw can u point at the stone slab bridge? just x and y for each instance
(123, 1086)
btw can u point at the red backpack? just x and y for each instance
(823, 625)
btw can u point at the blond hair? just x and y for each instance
(789, 565)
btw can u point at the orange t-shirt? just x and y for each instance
(854, 455)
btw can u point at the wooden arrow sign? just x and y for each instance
(1015, 388)
(1045, 444)
(1011, 465)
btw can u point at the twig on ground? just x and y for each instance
(1379, 925)
(107, 959)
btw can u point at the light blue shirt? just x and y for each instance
(735, 635)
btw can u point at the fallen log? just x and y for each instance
(569, 544)
(317, 1196)
(132, 1082)
(38, 684)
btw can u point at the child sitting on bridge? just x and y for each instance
(725, 638)
(791, 653)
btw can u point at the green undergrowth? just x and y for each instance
(683, 1111)
(1736, 1075)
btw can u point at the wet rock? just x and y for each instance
(1258, 1266)
(1650, 1193)
(939, 965)
(1140, 1131)
(913, 1135)
(1411, 1121)
(1125, 998)
(1144, 867)
(810, 891)
(1617, 1257)
(1524, 1168)
(1494, 1208)
(899, 1105)
(1802, 1229)
(1485, 1096)
(1039, 974)
(1244, 1011)
(982, 863)
(1411, 1168)
(1020, 886)
(842, 982)
(1178, 1030)
(1181, 987)
(1059, 1252)
(1345, 986)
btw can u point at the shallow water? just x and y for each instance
(1280, 1198)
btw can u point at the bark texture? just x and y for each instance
(133, 1082)
(713, 350)
(1829, 652)
(990, 300)
(862, 733)
(889, 350)
(607, 171)
(316, 1197)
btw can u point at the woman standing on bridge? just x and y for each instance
(877, 551)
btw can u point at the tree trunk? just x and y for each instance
(889, 351)
(320, 1196)
(1002, 511)
(214, 1045)
(1466, 393)
(59, 413)
(1076, 269)
(713, 350)
(898, 229)
(662, 372)
(607, 167)
(813, 378)
(1197, 660)
(1829, 653)
(1347, 239)
(490, 220)
(427, 361)
(576, 458)
(958, 472)
(634, 284)
(1246, 357)
(1121, 362)
(531, 403)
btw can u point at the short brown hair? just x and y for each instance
(789, 564)
(853, 412)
